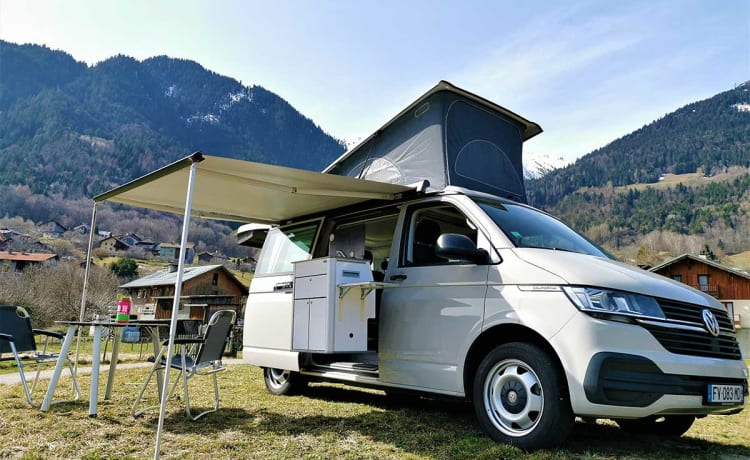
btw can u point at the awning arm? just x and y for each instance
(186, 162)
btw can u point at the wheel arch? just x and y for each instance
(498, 335)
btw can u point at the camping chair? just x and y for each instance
(206, 361)
(17, 337)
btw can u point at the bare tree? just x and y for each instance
(62, 289)
(54, 293)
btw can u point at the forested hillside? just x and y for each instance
(615, 194)
(718, 212)
(73, 130)
(709, 135)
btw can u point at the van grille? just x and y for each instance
(684, 332)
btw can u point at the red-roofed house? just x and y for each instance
(17, 262)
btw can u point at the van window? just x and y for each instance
(284, 246)
(425, 226)
(529, 228)
(369, 239)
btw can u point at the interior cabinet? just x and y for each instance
(323, 320)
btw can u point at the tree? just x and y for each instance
(124, 268)
(54, 293)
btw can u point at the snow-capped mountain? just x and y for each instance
(536, 165)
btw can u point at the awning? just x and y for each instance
(245, 191)
(225, 189)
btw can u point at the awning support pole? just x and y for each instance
(175, 304)
(85, 282)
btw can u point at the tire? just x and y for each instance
(283, 382)
(520, 397)
(668, 426)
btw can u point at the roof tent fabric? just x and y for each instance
(449, 137)
(244, 191)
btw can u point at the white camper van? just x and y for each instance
(460, 289)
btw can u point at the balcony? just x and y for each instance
(710, 289)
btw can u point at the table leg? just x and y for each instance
(58, 368)
(95, 359)
(156, 342)
(113, 363)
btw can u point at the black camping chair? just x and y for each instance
(18, 338)
(205, 361)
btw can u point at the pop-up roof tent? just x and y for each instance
(448, 137)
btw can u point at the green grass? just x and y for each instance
(329, 421)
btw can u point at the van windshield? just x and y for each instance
(529, 228)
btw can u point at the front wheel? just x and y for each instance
(520, 399)
(669, 426)
(283, 382)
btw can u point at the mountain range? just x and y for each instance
(678, 184)
(77, 130)
(70, 130)
(708, 135)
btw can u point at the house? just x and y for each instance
(205, 289)
(82, 229)
(131, 239)
(10, 234)
(730, 286)
(148, 246)
(17, 262)
(171, 252)
(212, 257)
(52, 229)
(113, 243)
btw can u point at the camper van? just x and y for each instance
(455, 287)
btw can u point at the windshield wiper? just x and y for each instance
(551, 248)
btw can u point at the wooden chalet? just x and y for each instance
(729, 285)
(205, 289)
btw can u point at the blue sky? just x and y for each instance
(588, 71)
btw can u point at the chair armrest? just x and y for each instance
(54, 334)
(184, 341)
(6, 337)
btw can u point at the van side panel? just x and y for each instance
(425, 323)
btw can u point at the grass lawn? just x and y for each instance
(327, 422)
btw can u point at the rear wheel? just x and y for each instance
(520, 398)
(282, 381)
(670, 426)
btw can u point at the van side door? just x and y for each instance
(269, 310)
(435, 306)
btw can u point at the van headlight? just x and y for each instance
(609, 302)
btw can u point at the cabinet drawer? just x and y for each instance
(311, 286)
(311, 267)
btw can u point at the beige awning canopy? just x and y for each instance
(244, 191)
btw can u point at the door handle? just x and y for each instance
(399, 277)
(285, 286)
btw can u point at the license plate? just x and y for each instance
(723, 394)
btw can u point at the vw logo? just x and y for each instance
(712, 324)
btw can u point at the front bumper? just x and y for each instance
(619, 370)
(633, 381)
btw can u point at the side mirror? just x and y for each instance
(455, 246)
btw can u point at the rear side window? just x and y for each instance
(285, 246)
